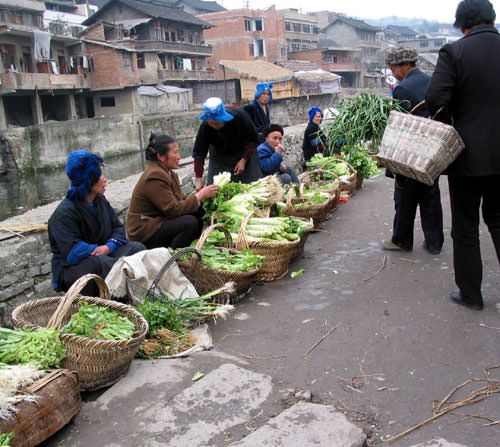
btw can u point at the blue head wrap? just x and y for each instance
(84, 170)
(214, 110)
(262, 87)
(313, 111)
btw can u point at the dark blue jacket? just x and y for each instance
(269, 159)
(411, 91)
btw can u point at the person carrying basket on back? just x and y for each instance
(408, 193)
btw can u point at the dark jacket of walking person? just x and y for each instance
(465, 83)
(410, 194)
(85, 233)
(160, 215)
(314, 139)
(259, 109)
(231, 139)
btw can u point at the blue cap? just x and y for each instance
(214, 110)
(262, 87)
(313, 111)
(84, 170)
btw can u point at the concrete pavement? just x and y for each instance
(399, 344)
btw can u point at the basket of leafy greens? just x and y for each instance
(220, 259)
(101, 336)
(358, 157)
(337, 167)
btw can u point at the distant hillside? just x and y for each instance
(421, 26)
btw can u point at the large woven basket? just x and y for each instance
(204, 273)
(317, 212)
(320, 178)
(99, 363)
(57, 401)
(299, 249)
(417, 147)
(277, 255)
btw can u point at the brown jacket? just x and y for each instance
(157, 197)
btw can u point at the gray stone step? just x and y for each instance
(306, 424)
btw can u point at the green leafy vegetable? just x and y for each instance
(297, 273)
(99, 322)
(5, 439)
(42, 348)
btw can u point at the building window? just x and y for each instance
(251, 49)
(288, 26)
(296, 27)
(107, 101)
(424, 44)
(259, 24)
(260, 47)
(315, 29)
(248, 25)
(306, 29)
(167, 36)
(180, 35)
(283, 52)
(127, 61)
(161, 59)
(141, 61)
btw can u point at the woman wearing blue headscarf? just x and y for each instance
(314, 138)
(85, 233)
(259, 109)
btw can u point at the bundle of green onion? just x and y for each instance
(6, 439)
(42, 348)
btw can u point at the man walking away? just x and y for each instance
(465, 83)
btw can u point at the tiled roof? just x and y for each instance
(259, 70)
(162, 9)
(201, 5)
(355, 23)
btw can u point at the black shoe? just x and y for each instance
(457, 298)
(432, 251)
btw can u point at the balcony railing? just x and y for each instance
(187, 75)
(338, 67)
(168, 47)
(42, 81)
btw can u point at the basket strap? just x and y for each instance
(204, 236)
(64, 306)
(173, 259)
(421, 103)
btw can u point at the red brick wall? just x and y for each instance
(305, 55)
(94, 32)
(230, 40)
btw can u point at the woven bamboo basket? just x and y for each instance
(277, 255)
(299, 249)
(417, 147)
(195, 266)
(310, 178)
(57, 401)
(317, 212)
(99, 363)
(202, 284)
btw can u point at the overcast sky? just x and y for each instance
(438, 10)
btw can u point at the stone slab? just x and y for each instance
(306, 424)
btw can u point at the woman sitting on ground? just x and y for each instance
(314, 138)
(160, 215)
(271, 155)
(85, 233)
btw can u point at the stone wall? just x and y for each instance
(46, 146)
(25, 271)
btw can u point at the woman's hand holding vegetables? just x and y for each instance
(240, 167)
(207, 192)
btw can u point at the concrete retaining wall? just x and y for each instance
(25, 271)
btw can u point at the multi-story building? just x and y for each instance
(246, 34)
(334, 58)
(395, 33)
(424, 44)
(196, 7)
(41, 77)
(301, 30)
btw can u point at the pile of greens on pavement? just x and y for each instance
(42, 348)
(99, 323)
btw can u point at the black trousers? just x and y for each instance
(178, 232)
(100, 265)
(467, 196)
(408, 195)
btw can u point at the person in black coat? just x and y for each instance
(465, 83)
(85, 233)
(314, 139)
(409, 194)
(232, 141)
(259, 109)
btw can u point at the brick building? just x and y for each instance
(246, 34)
(301, 30)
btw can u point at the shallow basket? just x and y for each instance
(417, 147)
(307, 178)
(99, 363)
(317, 212)
(277, 255)
(57, 401)
(204, 274)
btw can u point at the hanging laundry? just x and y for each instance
(186, 64)
(85, 62)
(54, 67)
(41, 41)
